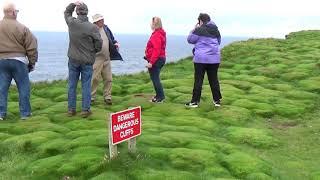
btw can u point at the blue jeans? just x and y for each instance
(86, 74)
(14, 69)
(155, 78)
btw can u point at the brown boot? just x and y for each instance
(71, 112)
(108, 101)
(85, 114)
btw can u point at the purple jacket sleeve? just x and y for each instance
(192, 38)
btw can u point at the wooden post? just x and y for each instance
(132, 145)
(112, 148)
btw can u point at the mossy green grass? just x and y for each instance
(268, 126)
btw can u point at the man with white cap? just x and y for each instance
(102, 65)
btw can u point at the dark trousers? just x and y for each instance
(212, 73)
(155, 78)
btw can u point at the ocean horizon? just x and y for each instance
(53, 60)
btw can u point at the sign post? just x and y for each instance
(112, 148)
(124, 125)
(132, 145)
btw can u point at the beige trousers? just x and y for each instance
(101, 68)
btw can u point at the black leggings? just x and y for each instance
(212, 73)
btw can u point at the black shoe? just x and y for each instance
(217, 103)
(192, 105)
(156, 100)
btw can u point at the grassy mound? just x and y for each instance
(267, 128)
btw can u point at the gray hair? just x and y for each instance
(9, 7)
(82, 9)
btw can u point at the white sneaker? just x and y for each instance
(1, 119)
(192, 105)
(217, 103)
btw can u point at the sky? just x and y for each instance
(239, 18)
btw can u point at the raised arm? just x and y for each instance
(68, 13)
(192, 38)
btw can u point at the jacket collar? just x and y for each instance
(83, 18)
(9, 17)
(157, 30)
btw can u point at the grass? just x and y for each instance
(267, 128)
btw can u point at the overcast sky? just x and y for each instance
(250, 18)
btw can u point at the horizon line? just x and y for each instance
(140, 34)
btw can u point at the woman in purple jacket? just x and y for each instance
(206, 38)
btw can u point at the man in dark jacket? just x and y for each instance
(85, 42)
(102, 65)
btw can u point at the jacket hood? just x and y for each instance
(211, 23)
(208, 30)
(211, 28)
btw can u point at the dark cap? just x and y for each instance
(204, 17)
(82, 9)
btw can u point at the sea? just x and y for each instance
(53, 60)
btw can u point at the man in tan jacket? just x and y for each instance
(102, 64)
(18, 55)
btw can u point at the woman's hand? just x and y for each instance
(149, 65)
(197, 25)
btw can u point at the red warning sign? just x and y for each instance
(125, 125)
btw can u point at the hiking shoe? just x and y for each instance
(72, 112)
(108, 101)
(217, 103)
(26, 117)
(85, 114)
(156, 100)
(192, 105)
(153, 99)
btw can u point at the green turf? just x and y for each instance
(267, 128)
